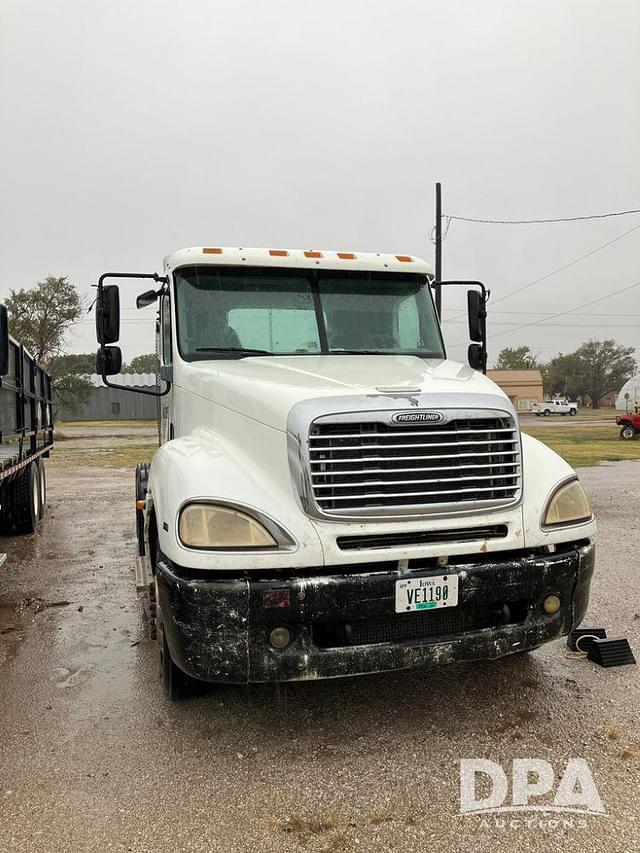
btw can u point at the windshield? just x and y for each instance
(236, 311)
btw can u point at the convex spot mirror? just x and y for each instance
(108, 361)
(108, 315)
(147, 298)
(476, 357)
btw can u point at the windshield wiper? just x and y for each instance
(383, 352)
(233, 349)
(361, 352)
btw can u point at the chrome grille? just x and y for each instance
(378, 468)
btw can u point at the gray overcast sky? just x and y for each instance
(130, 129)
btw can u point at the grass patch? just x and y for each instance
(586, 446)
(303, 828)
(119, 456)
(105, 424)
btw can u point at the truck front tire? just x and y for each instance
(627, 432)
(142, 484)
(173, 679)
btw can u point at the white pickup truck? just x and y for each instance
(555, 407)
(332, 495)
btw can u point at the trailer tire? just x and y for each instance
(43, 487)
(24, 500)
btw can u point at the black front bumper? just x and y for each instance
(344, 623)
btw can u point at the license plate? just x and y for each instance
(426, 593)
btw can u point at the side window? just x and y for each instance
(165, 326)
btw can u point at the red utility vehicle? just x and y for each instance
(629, 425)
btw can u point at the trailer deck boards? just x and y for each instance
(26, 416)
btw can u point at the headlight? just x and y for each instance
(568, 505)
(214, 526)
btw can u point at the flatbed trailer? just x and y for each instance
(26, 435)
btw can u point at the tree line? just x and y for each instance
(594, 370)
(40, 317)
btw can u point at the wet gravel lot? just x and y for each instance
(93, 758)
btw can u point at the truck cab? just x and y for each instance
(332, 495)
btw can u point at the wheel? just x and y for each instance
(153, 620)
(43, 487)
(176, 684)
(573, 412)
(174, 680)
(546, 413)
(24, 500)
(142, 480)
(172, 686)
(627, 432)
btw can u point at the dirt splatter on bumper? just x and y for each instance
(342, 621)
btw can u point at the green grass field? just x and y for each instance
(118, 456)
(118, 424)
(584, 445)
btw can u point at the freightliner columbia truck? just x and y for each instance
(332, 495)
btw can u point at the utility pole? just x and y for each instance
(438, 265)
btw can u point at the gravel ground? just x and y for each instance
(92, 758)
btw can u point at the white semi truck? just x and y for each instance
(332, 495)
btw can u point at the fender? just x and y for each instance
(206, 466)
(543, 471)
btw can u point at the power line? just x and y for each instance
(565, 266)
(570, 325)
(562, 313)
(570, 310)
(541, 221)
(543, 314)
(558, 270)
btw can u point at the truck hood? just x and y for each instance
(266, 388)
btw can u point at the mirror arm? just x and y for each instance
(159, 279)
(137, 390)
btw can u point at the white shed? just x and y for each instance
(629, 395)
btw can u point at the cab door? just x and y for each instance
(165, 336)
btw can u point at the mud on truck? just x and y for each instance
(332, 495)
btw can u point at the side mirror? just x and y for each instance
(147, 298)
(4, 341)
(477, 357)
(108, 315)
(477, 314)
(109, 361)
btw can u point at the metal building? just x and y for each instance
(113, 404)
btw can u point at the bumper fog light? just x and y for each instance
(551, 604)
(280, 638)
